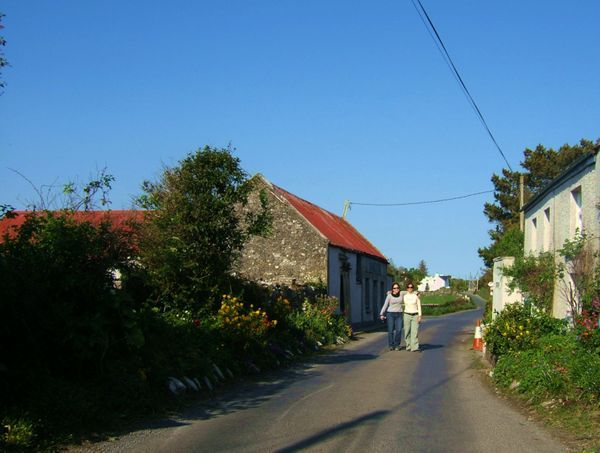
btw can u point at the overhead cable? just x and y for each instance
(421, 202)
(442, 48)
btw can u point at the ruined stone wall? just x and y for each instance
(294, 251)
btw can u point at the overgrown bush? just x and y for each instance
(557, 368)
(318, 322)
(516, 328)
(535, 277)
(59, 309)
(587, 328)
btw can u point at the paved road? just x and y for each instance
(361, 398)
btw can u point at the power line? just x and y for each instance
(420, 202)
(442, 48)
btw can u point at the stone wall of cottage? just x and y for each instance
(293, 253)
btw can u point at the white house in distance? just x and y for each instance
(434, 283)
(567, 205)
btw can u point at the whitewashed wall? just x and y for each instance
(545, 232)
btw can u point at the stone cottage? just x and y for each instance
(307, 245)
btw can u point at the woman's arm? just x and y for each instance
(385, 306)
(419, 308)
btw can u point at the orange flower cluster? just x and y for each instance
(233, 316)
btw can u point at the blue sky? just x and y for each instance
(331, 100)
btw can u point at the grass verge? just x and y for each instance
(448, 307)
(438, 299)
(574, 423)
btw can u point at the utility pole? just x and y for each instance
(346, 207)
(521, 201)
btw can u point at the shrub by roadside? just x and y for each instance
(554, 370)
(558, 368)
(81, 355)
(516, 329)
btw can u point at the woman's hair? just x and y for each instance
(395, 284)
(410, 284)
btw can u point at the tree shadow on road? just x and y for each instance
(331, 432)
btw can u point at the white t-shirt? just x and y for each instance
(412, 304)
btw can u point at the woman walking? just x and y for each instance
(412, 318)
(392, 310)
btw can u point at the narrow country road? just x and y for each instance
(359, 398)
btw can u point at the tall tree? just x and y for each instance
(3, 61)
(423, 268)
(541, 165)
(198, 224)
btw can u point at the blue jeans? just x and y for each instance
(394, 325)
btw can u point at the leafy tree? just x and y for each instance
(199, 220)
(541, 166)
(510, 243)
(3, 61)
(423, 268)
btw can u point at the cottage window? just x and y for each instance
(533, 247)
(547, 230)
(367, 296)
(576, 211)
(374, 295)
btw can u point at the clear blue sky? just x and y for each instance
(331, 100)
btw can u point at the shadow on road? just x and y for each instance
(331, 432)
(342, 358)
(427, 347)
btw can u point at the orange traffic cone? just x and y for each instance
(478, 340)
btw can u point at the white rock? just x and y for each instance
(175, 386)
(228, 371)
(190, 384)
(208, 384)
(197, 382)
(218, 372)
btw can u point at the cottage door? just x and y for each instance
(345, 305)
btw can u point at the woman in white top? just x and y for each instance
(392, 310)
(412, 318)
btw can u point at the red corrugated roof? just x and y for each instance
(337, 230)
(119, 219)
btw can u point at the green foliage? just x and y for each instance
(517, 329)
(3, 61)
(459, 284)
(458, 304)
(92, 195)
(588, 328)
(541, 166)
(404, 275)
(557, 368)
(509, 243)
(57, 296)
(318, 322)
(197, 227)
(19, 434)
(535, 277)
(438, 298)
(582, 266)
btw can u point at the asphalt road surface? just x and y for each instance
(358, 398)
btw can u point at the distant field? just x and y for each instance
(438, 298)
